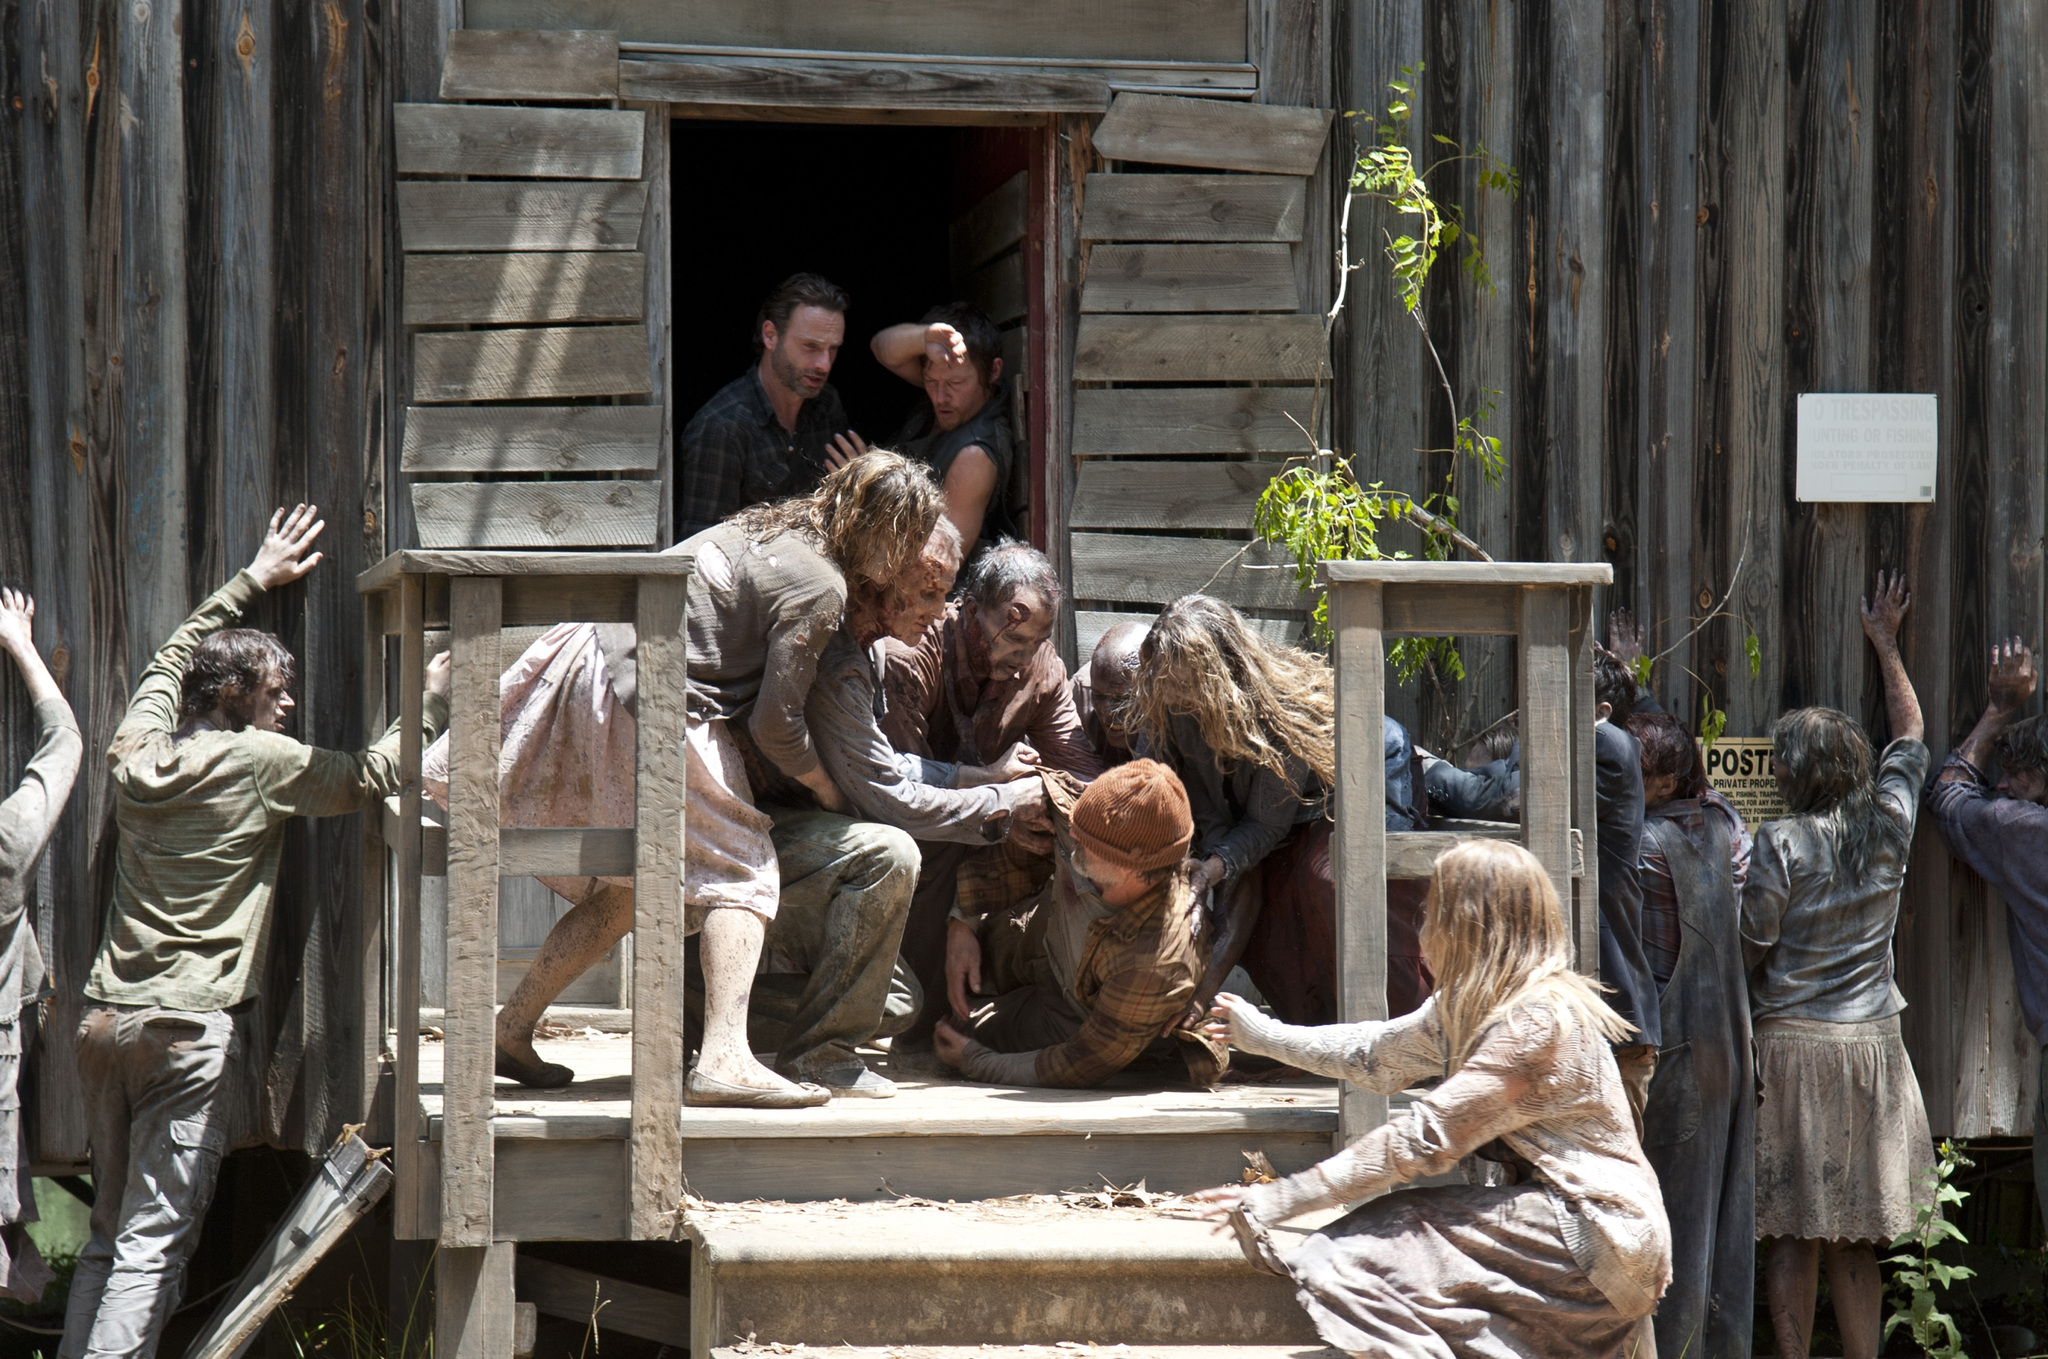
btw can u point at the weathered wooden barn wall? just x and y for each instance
(189, 238)
(1723, 206)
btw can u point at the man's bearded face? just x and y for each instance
(801, 354)
(1012, 633)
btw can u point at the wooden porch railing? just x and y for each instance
(476, 595)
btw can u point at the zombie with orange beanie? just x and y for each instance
(1074, 984)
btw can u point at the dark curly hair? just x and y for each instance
(1829, 763)
(1669, 752)
(227, 670)
(1614, 685)
(2023, 745)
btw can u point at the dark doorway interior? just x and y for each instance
(867, 207)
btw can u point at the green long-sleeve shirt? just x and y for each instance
(201, 826)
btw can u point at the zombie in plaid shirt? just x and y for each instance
(1082, 987)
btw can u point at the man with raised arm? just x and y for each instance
(2001, 831)
(27, 818)
(962, 428)
(204, 782)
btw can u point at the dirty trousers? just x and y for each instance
(833, 981)
(156, 1120)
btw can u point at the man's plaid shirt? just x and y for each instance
(734, 453)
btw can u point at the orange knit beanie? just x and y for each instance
(1136, 817)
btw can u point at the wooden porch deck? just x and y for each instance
(562, 1154)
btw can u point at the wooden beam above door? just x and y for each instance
(742, 81)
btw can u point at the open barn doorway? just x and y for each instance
(902, 218)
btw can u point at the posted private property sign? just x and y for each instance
(1866, 446)
(1739, 767)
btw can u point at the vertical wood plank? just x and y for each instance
(1913, 350)
(1746, 156)
(1993, 1076)
(1066, 158)
(154, 345)
(1360, 842)
(1830, 56)
(1683, 500)
(58, 489)
(655, 242)
(1547, 737)
(658, 1053)
(364, 937)
(243, 44)
(473, 1300)
(408, 1128)
(475, 615)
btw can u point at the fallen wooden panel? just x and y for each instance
(1172, 130)
(529, 286)
(508, 365)
(1127, 568)
(475, 139)
(1169, 495)
(507, 514)
(562, 64)
(1190, 278)
(849, 84)
(347, 1184)
(998, 289)
(1200, 31)
(1198, 348)
(532, 439)
(1136, 421)
(989, 227)
(629, 1309)
(482, 215)
(1192, 207)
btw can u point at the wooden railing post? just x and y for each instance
(1585, 924)
(1546, 691)
(1361, 830)
(408, 1218)
(658, 1050)
(475, 615)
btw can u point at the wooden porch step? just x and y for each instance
(1072, 1349)
(1023, 1272)
(558, 1152)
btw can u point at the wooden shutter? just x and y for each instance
(535, 304)
(1194, 350)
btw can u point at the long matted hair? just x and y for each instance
(872, 516)
(1495, 938)
(1828, 764)
(1256, 702)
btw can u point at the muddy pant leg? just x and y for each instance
(846, 888)
(106, 1133)
(171, 1064)
(924, 937)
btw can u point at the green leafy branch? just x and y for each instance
(1322, 512)
(1920, 1275)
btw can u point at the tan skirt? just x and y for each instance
(1842, 1147)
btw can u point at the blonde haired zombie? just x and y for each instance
(1566, 1259)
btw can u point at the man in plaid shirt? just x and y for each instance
(777, 428)
(1100, 965)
